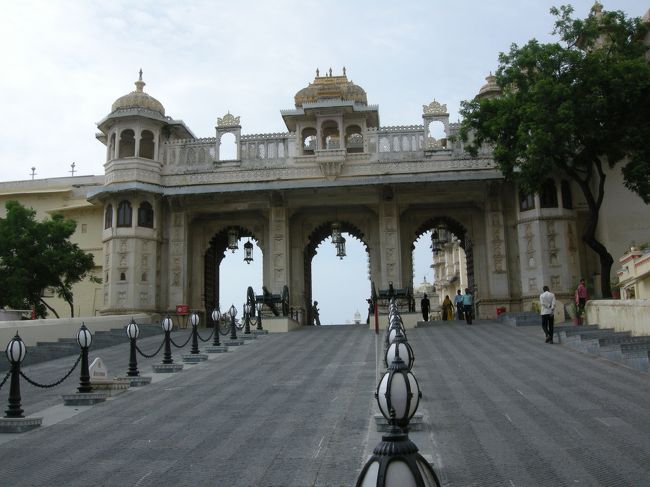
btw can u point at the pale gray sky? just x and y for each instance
(65, 62)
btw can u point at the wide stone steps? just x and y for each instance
(64, 347)
(633, 351)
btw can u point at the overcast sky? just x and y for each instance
(65, 62)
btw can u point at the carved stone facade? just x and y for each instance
(386, 186)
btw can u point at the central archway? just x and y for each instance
(321, 233)
(457, 229)
(213, 257)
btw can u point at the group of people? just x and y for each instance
(462, 307)
(547, 308)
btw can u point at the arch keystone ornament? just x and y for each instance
(228, 120)
(331, 169)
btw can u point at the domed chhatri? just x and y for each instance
(331, 87)
(138, 99)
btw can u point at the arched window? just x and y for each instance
(330, 134)
(145, 215)
(108, 217)
(146, 144)
(127, 143)
(353, 138)
(567, 199)
(124, 214)
(548, 194)
(309, 141)
(526, 201)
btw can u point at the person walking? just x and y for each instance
(315, 313)
(581, 299)
(468, 304)
(447, 309)
(458, 302)
(547, 310)
(425, 306)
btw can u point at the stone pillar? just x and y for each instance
(278, 250)
(496, 246)
(177, 251)
(389, 238)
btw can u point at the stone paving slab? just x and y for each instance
(500, 408)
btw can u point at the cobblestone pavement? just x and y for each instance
(501, 408)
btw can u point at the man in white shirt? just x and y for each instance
(547, 305)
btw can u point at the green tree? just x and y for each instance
(38, 255)
(572, 108)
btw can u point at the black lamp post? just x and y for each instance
(259, 307)
(232, 312)
(15, 351)
(133, 332)
(194, 321)
(400, 346)
(216, 316)
(247, 319)
(167, 326)
(84, 339)
(395, 461)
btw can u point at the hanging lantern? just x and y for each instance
(233, 237)
(248, 252)
(336, 233)
(340, 247)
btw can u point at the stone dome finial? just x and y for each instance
(138, 99)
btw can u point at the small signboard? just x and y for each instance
(182, 309)
(98, 370)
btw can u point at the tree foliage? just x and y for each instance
(38, 255)
(572, 108)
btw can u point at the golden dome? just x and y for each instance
(330, 88)
(138, 99)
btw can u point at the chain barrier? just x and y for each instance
(48, 386)
(206, 339)
(5, 379)
(181, 346)
(152, 355)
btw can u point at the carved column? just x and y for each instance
(278, 246)
(389, 238)
(495, 239)
(178, 233)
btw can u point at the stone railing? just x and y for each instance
(274, 147)
(187, 154)
(386, 140)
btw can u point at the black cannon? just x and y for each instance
(273, 301)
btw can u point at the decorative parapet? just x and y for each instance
(228, 120)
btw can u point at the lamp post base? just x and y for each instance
(248, 337)
(137, 381)
(83, 398)
(216, 349)
(194, 358)
(167, 368)
(19, 425)
(260, 332)
(234, 342)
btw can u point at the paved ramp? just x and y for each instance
(502, 409)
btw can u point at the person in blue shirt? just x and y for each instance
(458, 302)
(468, 303)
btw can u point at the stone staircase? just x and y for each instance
(64, 347)
(632, 351)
